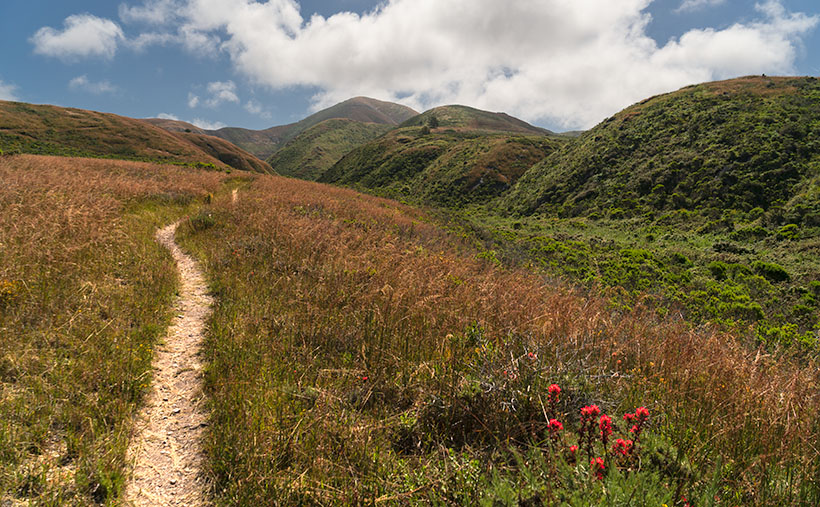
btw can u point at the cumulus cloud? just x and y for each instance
(255, 108)
(548, 61)
(694, 5)
(153, 12)
(82, 83)
(193, 100)
(167, 116)
(207, 125)
(7, 91)
(82, 36)
(220, 93)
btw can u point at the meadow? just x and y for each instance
(360, 353)
(85, 295)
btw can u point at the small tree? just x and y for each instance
(432, 122)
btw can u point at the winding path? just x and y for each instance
(166, 449)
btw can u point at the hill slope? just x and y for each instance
(264, 143)
(445, 165)
(52, 130)
(732, 145)
(469, 118)
(226, 152)
(314, 151)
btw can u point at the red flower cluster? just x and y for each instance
(573, 449)
(622, 447)
(596, 466)
(555, 426)
(639, 419)
(590, 412)
(606, 428)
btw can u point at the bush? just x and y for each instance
(771, 271)
(788, 232)
(718, 269)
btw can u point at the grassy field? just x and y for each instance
(85, 294)
(358, 353)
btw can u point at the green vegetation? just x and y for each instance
(360, 354)
(463, 117)
(314, 151)
(85, 295)
(450, 167)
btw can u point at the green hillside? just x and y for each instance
(734, 145)
(51, 130)
(264, 143)
(311, 153)
(468, 118)
(446, 166)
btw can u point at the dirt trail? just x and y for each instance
(166, 449)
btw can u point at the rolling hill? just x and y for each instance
(226, 152)
(734, 145)
(264, 143)
(314, 151)
(469, 155)
(52, 130)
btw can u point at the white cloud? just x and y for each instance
(694, 5)
(193, 100)
(255, 108)
(83, 84)
(221, 92)
(153, 12)
(167, 116)
(82, 36)
(568, 63)
(7, 91)
(207, 125)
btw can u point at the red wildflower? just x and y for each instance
(554, 390)
(532, 356)
(596, 466)
(573, 448)
(555, 426)
(629, 417)
(590, 412)
(622, 447)
(642, 413)
(606, 427)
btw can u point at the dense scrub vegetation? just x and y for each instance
(445, 166)
(85, 294)
(360, 354)
(315, 150)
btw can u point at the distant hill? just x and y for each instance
(52, 130)
(464, 117)
(460, 161)
(226, 152)
(741, 144)
(264, 143)
(175, 125)
(314, 151)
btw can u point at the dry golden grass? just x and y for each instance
(354, 343)
(89, 296)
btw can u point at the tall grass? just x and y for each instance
(87, 296)
(357, 353)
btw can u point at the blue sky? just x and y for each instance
(250, 63)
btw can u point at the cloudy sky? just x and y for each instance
(561, 64)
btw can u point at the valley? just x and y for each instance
(424, 308)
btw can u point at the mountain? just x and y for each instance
(312, 152)
(741, 144)
(264, 143)
(52, 130)
(469, 155)
(468, 118)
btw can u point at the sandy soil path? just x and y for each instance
(166, 449)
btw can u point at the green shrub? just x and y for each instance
(747, 233)
(771, 271)
(788, 232)
(718, 269)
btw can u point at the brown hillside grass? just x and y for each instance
(359, 353)
(88, 295)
